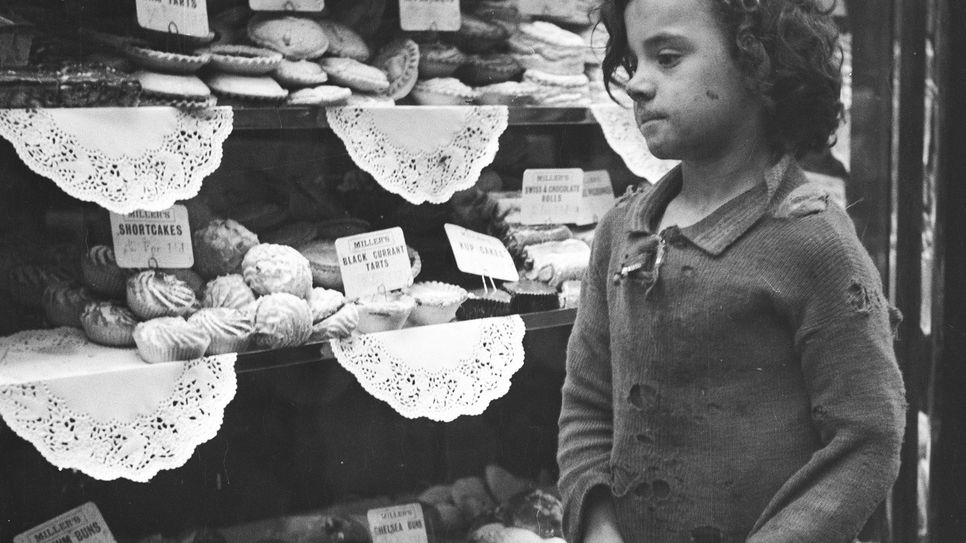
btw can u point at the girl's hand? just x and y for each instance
(601, 520)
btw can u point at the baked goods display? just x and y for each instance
(230, 330)
(167, 339)
(63, 304)
(109, 323)
(101, 272)
(435, 302)
(281, 320)
(220, 246)
(384, 312)
(153, 293)
(269, 268)
(229, 291)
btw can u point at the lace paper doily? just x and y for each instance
(122, 159)
(623, 136)
(421, 153)
(439, 372)
(105, 412)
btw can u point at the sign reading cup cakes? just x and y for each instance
(286, 5)
(374, 262)
(186, 17)
(480, 254)
(153, 239)
(439, 15)
(551, 196)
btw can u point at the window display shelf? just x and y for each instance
(254, 361)
(308, 118)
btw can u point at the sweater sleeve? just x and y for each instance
(586, 415)
(844, 339)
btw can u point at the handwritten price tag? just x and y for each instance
(397, 524)
(441, 15)
(83, 523)
(187, 17)
(480, 254)
(597, 197)
(153, 239)
(374, 262)
(549, 8)
(287, 5)
(551, 196)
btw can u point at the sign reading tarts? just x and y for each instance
(153, 239)
(187, 17)
(551, 196)
(374, 262)
(81, 524)
(440, 15)
(480, 254)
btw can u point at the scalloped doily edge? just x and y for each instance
(154, 204)
(205, 433)
(489, 154)
(518, 332)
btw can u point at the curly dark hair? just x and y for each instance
(788, 51)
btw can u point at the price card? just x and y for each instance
(187, 17)
(551, 196)
(286, 5)
(480, 254)
(597, 197)
(83, 523)
(441, 15)
(374, 262)
(549, 8)
(397, 524)
(153, 239)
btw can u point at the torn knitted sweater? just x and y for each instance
(737, 382)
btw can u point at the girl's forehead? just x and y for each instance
(644, 15)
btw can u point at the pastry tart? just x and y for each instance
(257, 88)
(323, 95)
(344, 42)
(436, 302)
(355, 75)
(399, 59)
(443, 91)
(163, 61)
(184, 91)
(243, 59)
(439, 60)
(293, 74)
(297, 38)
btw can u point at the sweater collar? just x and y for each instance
(719, 230)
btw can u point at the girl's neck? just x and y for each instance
(713, 180)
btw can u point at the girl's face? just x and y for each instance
(690, 100)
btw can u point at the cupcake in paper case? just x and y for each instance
(482, 304)
(339, 325)
(228, 291)
(27, 282)
(167, 339)
(63, 304)
(109, 323)
(528, 296)
(436, 302)
(384, 312)
(220, 247)
(270, 268)
(101, 273)
(230, 329)
(153, 293)
(281, 320)
(324, 302)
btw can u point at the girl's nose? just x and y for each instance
(640, 87)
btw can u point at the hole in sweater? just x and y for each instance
(687, 271)
(641, 395)
(707, 534)
(859, 297)
(661, 489)
(644, 438)
(642, 490)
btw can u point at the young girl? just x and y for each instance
(730, 376)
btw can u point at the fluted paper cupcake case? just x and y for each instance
(170, 353)
(112, 336)
(224, 345)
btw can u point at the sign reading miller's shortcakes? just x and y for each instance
(374, 262)
(153, 239)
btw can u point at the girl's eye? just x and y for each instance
(668, 59)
